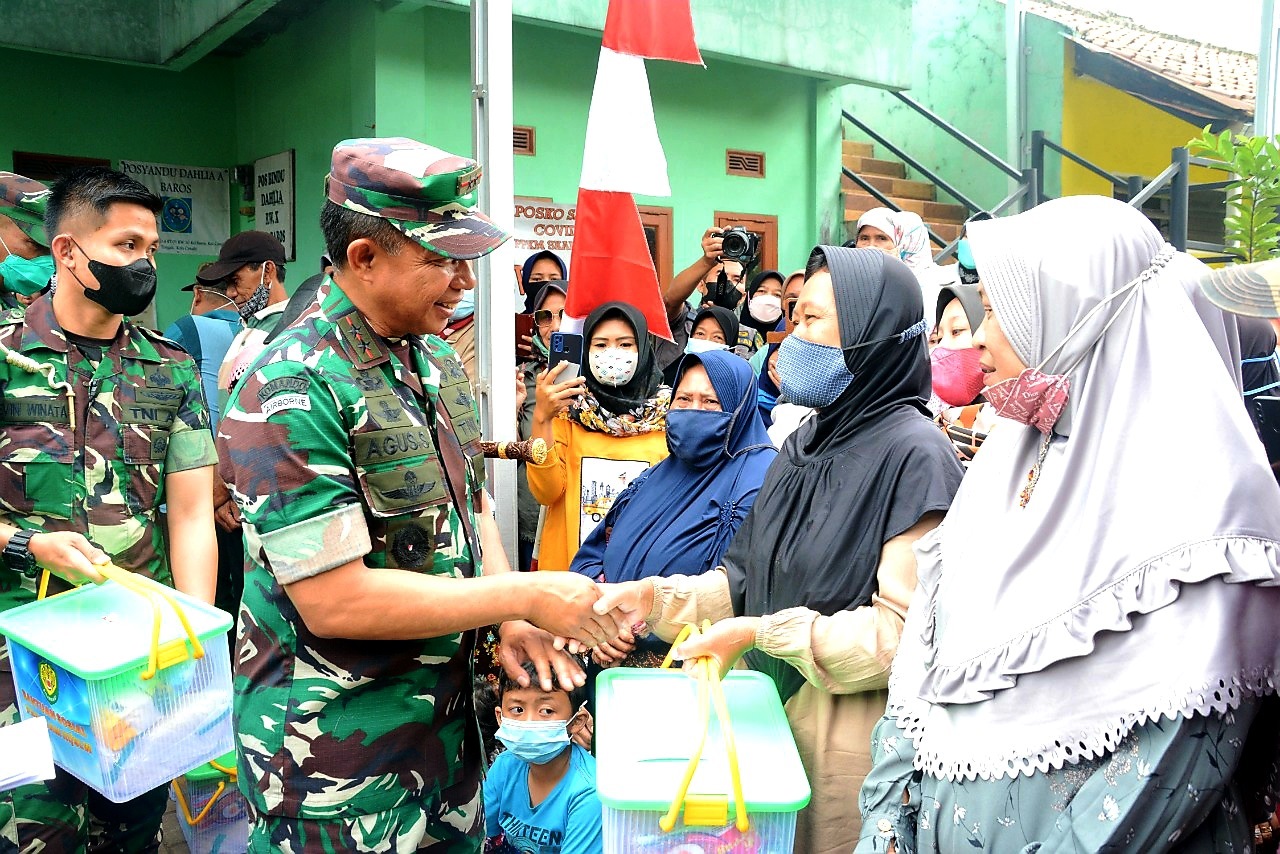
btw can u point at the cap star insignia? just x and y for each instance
(411, 488)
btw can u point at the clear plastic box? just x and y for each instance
(211, 811)
(648, 728)
(78, 660)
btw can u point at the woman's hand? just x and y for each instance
(725, 642)
(553, 397)
(614, 652)
(633, 600)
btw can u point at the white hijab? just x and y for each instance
(1043, 634)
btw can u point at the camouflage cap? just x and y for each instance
(23, 201)
(424, 192)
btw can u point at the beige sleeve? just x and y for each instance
(682, 599)
(851, 650)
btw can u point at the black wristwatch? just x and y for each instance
(18, 556)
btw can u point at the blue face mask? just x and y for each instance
(812, 374)
(697, 436)
(466, 306)
(26, 276)
(1274, 357)
(536, 742)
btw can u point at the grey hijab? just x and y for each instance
(1139, 580)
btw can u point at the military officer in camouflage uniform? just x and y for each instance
(351, 445)
(26, 266)
(101, 421)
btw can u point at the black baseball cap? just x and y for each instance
(197, 283)
(247, 247)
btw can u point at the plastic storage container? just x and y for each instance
(648, 728)
(79, 659)
(211, 811)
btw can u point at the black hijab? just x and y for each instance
(860, 473)
(745, 315)
(647, 380)
(970, 301)
(1257, 341)
(724, 319)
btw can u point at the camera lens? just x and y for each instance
(734, 244)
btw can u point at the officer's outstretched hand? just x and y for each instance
(69, 556)
(562, 603)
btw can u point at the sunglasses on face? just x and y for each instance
(544, 316)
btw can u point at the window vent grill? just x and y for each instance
(749, 164)
(523, 139)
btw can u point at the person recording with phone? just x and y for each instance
(601, 407)
(720, 278)
(548, 310)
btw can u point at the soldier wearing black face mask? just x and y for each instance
(721, 283)
(101, 422)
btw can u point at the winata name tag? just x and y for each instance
(283, 402)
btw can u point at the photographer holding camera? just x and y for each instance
(719, 275)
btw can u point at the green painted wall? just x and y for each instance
(307, 88)
(809, 36)
(97, 109)
(354, 69)
(700, 112)
(959, 72)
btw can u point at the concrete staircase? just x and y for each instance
(890, 178)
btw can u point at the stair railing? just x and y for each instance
(1026, 191)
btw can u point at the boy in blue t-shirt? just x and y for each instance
(540, 795)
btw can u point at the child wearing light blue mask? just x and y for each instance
(540, 794)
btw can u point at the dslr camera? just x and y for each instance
(739, 245)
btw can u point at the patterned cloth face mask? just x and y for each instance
(1037, 399)
(613, 366)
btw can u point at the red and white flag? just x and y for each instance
(623, 156)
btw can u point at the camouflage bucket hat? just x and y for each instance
(426, 193)
(23, 201)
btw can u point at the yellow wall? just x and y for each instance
(1116, 131)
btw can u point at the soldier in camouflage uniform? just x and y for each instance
(351, 445)
(26, 266)
(101, 421)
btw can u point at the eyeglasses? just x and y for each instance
(544, 316)
(789, 307)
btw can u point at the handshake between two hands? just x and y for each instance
(571, 614)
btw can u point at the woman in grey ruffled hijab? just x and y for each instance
(1095, 622)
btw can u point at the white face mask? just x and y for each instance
(613, 366)
(765, 307)
(704, 345)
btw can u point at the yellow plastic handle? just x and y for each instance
(186, 810)
(710, 694)
(173, 653)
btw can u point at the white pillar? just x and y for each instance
(1264, 122)
(492, 117)
(1015, 65)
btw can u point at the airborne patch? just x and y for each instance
(285, 402)
(161, 396)
(283, 385)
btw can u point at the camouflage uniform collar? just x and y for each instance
(364, 347)
(41, 330)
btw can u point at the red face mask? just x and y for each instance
(957, 376)
(1033, 398)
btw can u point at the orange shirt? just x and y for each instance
(583, 474)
